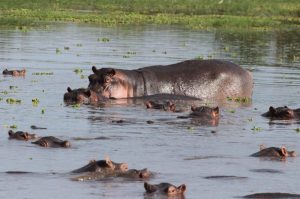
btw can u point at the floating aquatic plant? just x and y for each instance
(13, 101)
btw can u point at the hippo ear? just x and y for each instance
(26, 136)
(285, 107)
(109, 162)
(10, 132)
(193, 108)
(69, 89)
(182, 188)
(272, 109)
(216, 110)
(88, 93)
(261, 147)
(284, 151)
(94, 69)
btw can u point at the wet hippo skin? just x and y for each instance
(282, 113)
(204, 79)
(100, 165)
(165, 189)
(14, 72)
(50, 141)
(21, 135)
(274, 152)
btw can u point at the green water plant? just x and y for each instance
(13, 101)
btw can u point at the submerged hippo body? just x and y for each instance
(102, 165)
(50, 141)
(204, 79)
(14, 72)
(274, 152)
(20, 135)
(164, 188)
(133, 174)
(282, 113)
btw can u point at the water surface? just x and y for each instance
(176, 150)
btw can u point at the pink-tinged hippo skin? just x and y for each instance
(204, 79)
(21, 135)
(14, 73)
(274, 152)
(50, 141)
(102, 165)
(282, 113)
(165, 189)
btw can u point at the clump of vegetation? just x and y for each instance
(256, 129)
(78, 70)
(76, 105)
(13, 101)
(195, 14)
(43, 73)
(239, 99)
(35, 101)
(104, 39)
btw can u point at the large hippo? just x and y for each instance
(50, 141)
(204, 79)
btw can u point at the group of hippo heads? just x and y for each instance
(47, 141)
(15, 73)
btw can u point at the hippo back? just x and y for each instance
(205, 79)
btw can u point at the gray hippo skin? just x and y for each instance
(165, 189)
(80, 96)
(167, 106)
(21, 135)
(272, 196)
(204, 79)
(282, 113)
(274, 152)
(132, 174)
(50, 141)
(102, 165)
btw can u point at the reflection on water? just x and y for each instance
(179, 151)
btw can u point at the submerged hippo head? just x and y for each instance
(50, 141)
(205, 111)
(20, 135)
(102, 165)
(14, 72)
(136, 174)
(167, 106)
(111, 83)
(274, 152)
(80, 96)
(281, 113)
(165, 188)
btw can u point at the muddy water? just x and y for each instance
(177, 150)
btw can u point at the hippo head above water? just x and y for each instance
(282, 113)
(205, 111)
(165, 189)
(274, 152)
(80, 96)
(20, 135)
(14, 73)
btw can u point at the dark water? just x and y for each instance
(176, 150)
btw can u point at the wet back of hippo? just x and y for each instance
(205, 79)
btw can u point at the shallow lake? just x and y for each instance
(178, 151)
